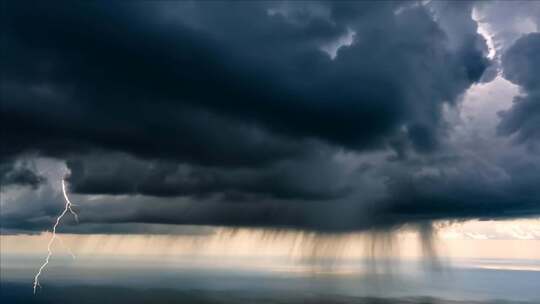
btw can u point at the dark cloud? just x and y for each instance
(462, 35)
(308, 179)
(256, 114)
(521, 64)
(19, 174)
(415, 192)
(212, 90)
(461, 197)
(386, 195)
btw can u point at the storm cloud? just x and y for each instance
(17, 173)
(521, 64)
(326, 116)
(127, 78)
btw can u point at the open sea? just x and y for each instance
(268, 280)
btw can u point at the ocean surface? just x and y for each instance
(268, 280)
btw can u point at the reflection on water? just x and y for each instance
(463, 280)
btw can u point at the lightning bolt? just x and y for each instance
(67, 208)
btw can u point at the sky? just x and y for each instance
(187, 119)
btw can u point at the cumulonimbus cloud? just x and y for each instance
(236, 114)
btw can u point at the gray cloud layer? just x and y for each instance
(236, 114)
(219, 91)
(521, 65)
